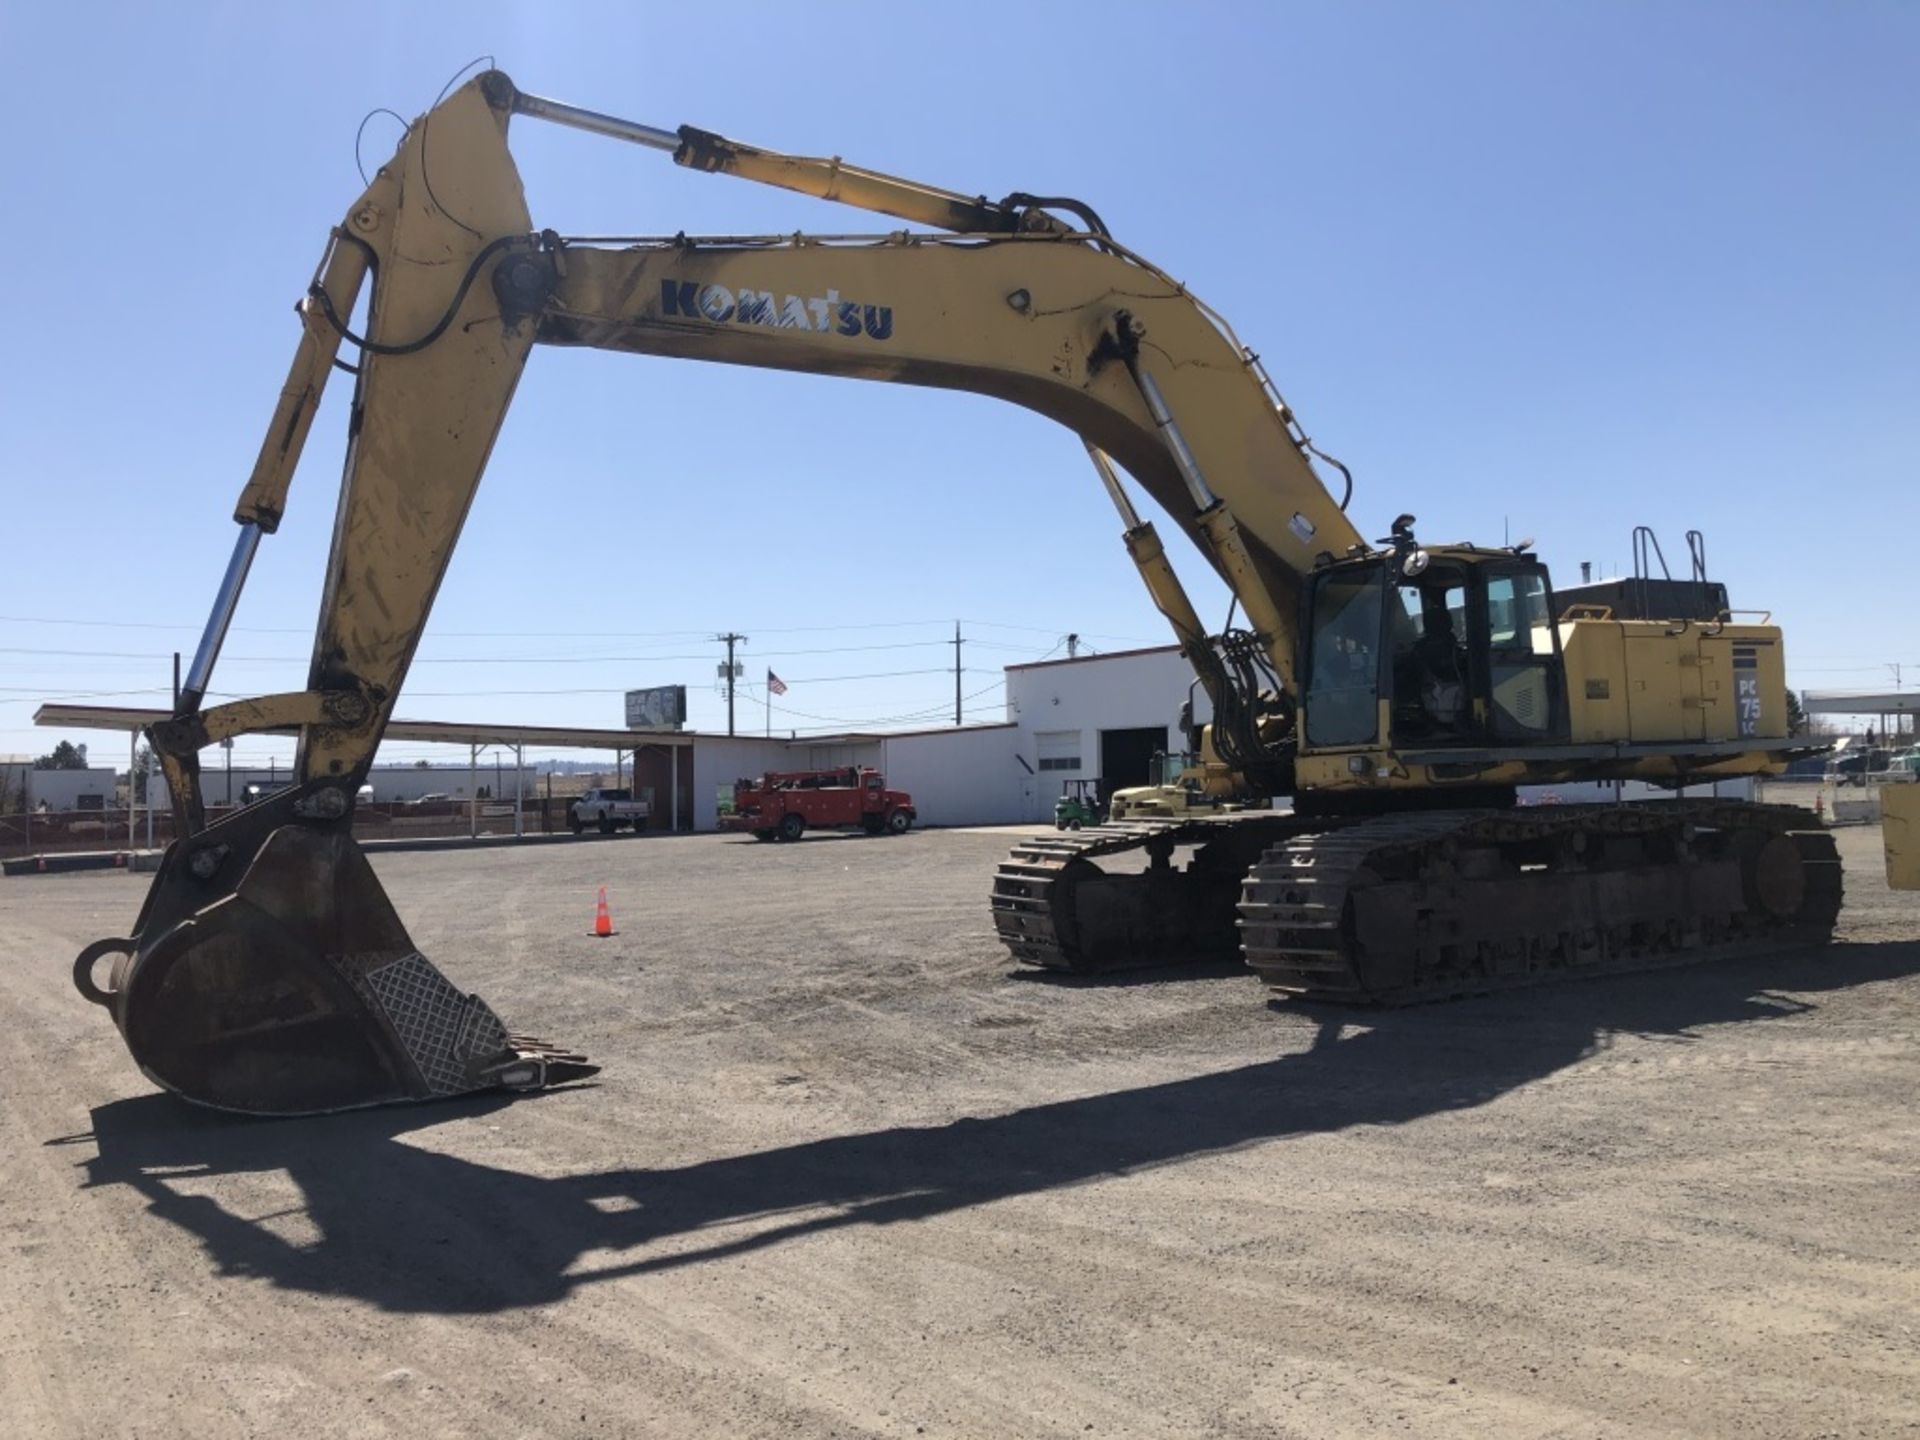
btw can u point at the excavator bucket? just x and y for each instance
(275, 978)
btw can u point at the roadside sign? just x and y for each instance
(664, 707)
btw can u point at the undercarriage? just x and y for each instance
(1400, 909)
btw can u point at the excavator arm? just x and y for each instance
(267, 971)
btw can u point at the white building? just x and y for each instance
(1100, 717)
(1094, 717)
(94, 788)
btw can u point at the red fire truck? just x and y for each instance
(784, 805)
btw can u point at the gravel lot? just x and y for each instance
(845, 1175)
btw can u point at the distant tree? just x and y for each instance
(1796, 717)
(66, 756)
(143, 766)
(423, 765)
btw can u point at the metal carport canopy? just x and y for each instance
(439, 732)
(443, 732)
(1861, 702)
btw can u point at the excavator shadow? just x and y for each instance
(415, 1229)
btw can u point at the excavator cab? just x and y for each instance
(1449, 647)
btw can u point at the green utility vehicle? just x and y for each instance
(1079, 804)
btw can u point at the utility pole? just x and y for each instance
(1073, 646)
(956, 672)
(730, 640)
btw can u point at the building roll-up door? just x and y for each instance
(1059, 759)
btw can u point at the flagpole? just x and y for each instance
(769, 705)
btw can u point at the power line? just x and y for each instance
(747, 685)
(546, 634)
(145, 625)
(922, 714)
(37, 695)
(41, 697)
(158, 656)
(569, 633)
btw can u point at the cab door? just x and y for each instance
(1524, 681)
(1341, 700)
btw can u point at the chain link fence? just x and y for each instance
(54, 832)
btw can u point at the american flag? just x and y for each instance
(775, 685)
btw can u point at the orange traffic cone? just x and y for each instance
(602, 921)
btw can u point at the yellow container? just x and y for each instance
(1900, 822)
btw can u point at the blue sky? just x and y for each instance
(1559, 268)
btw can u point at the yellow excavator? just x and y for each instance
(1398, 691)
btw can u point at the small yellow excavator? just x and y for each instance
(1398, 691)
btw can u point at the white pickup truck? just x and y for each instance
(609, 809)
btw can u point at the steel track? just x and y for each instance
(1035, 905)
(1407, 908)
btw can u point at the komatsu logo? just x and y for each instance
(821, 313)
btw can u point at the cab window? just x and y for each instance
(1523, 668)
(1344, 659)
(1430, 658)
(1517, 617)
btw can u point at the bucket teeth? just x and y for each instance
(455, 1042)
(557, 1066)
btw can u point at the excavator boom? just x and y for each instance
(1064, 322)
